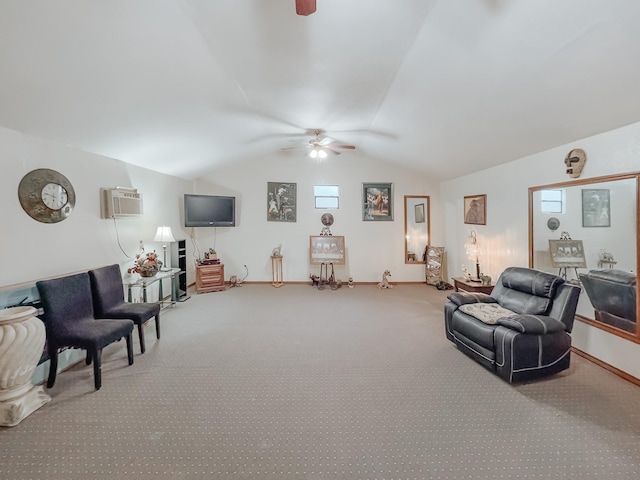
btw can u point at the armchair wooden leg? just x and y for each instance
(97, 370)
(158, 326)
(130, 349)
(143, 347)
(53, 368)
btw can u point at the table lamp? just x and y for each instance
(164, 235)
(473, 252)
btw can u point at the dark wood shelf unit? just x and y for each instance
(179, 260)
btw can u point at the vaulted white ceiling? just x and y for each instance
(444, 86)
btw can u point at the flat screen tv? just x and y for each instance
(209, 211)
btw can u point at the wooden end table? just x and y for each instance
(462, 284)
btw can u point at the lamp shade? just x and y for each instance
(164, 235)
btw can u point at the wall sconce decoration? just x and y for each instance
(473, 252)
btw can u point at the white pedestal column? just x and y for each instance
(22, 338)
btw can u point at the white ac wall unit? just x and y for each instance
(120, 202)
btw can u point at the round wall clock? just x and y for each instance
(46, 195)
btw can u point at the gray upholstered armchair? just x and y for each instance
(70, 322)
(520, 331)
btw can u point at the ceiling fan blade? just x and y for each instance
(299, 147)
(348, 147)
(305, 7)
(326, 141)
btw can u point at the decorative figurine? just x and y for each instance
(465, 273)
(277, 252)
(385, 282)
(350, 282)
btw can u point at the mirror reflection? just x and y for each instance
(416, 228)
(586, 232)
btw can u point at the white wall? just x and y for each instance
(31, 250)
(371, 247)
(504, 240)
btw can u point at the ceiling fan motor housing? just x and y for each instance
(305, 7)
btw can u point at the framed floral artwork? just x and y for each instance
(281, 202)
(377, 202)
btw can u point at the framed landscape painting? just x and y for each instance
(377, 202)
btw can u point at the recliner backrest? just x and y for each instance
(525, 290)
(612, 291)
(107, 287)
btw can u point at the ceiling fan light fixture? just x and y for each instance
(313, 153)
(322, 153)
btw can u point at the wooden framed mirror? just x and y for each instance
(599, 217)
(416, 228)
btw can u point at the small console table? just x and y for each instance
(144, 282)
(465, 285)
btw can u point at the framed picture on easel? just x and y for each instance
(326, 249)
(567, 254)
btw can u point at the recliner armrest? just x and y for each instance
(533, 324)
(463, 298)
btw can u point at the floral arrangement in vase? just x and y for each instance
(146, 264)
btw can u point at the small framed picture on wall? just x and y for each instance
(596, 211)
(475, 209)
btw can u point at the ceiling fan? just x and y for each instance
(318, 147)
(305, 7)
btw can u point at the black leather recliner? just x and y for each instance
(526, 324)
(612, 293)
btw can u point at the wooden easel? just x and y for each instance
(330, 280)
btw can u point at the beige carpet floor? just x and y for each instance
(295, 383)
